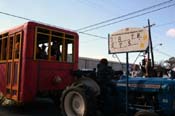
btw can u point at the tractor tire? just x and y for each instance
(78, 101)
(146, 113)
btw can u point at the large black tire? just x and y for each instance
(78, 101)
(146, 113)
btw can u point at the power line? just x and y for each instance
(101, 37)
(20, 17)
(129, 18)
(15, 16)
(128, 14)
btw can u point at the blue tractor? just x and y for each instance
(102, 93)
(145, 95)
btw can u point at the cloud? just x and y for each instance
(171, 33)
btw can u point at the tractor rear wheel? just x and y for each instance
(78, 101)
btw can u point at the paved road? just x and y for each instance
(38, 108)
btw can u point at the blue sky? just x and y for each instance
(75, 14)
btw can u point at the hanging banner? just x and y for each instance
(128, 40)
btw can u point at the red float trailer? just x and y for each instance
(35, 59)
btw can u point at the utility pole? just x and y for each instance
(150, 39)
(127, 76)
(150, 47)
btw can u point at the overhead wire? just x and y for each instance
(83, 32)
(128, 14)
(101, 37)
(16, 16)
(24, 18)
(135, 16)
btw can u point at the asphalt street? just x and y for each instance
(44, 107)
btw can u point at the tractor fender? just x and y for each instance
(89, 82)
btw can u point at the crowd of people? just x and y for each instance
(145, 70)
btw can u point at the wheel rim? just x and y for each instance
(74, 104)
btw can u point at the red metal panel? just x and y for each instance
(9, 67)
(3, 77)
(15, 73)
(48, 71)
(28, 78)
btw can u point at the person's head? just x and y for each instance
(104, 61)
